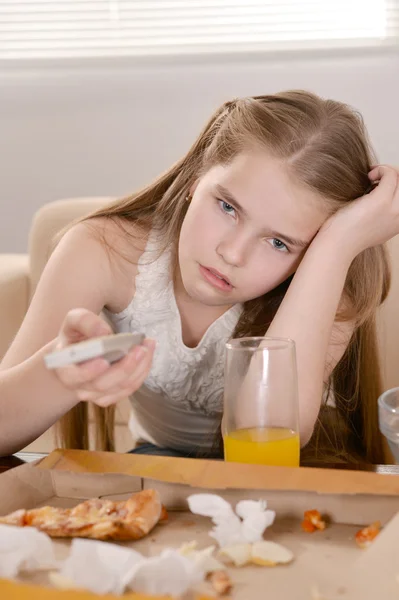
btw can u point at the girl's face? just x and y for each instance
(246, 230)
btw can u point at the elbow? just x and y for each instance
(8, 447)
(306, 430)
(308, 415)
(305, 436)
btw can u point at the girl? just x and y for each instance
(272, 224)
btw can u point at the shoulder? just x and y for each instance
(122, 241)
(99, 255)
(112, 248)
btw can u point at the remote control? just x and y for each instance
(111, 347)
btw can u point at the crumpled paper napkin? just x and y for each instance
(246, 524)
(170, 573)
(24, 549)
(100, 567)
(105, 568)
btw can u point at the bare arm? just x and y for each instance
(307, 315)
(31, 398)
(25, 409)
(308, 310)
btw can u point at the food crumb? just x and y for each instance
(365, 536)
(220, 582)
(312, 521)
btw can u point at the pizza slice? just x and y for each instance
(96, 518)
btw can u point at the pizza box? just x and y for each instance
(328, 564)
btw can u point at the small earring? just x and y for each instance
(188, 197)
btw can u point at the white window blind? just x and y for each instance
(93, 28)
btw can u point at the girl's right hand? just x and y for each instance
(97, 380)
(370, 220)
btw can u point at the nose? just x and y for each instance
(234, 249)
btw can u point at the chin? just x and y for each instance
(209, 297)
(202, 296)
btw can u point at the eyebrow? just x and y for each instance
(230, 199)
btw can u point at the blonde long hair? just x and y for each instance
(325, 147)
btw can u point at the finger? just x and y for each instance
(385, 165)
(150, 344)
(90, 393)
(81, 323)
(121, 370)
(133, 382)
(85, 375)
(97, 397)
(110, 399)
(387, 178)
(85, 395)
(382, 172)
(141, 377)
(74, 376)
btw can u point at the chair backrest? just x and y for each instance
(48, 221)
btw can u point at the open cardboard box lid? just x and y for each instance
(350, 498)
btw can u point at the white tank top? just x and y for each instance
(181, 401)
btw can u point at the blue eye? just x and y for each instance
(279, 245)
(227, 208)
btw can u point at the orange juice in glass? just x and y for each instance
(260, 417)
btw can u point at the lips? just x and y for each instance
(216, 279)
(219, 275)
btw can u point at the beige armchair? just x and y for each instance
(19, 274)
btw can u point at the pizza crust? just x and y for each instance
(97, 518)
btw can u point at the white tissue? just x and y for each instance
(246, 525)
(255, 519)
(210, 505)
(170, 573)
(204, 558)
(105, 568)
(100, 567)
(24, 549)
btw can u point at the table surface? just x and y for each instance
(9, 462)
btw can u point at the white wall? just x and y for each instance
(107, 130)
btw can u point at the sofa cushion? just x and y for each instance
(14, 296)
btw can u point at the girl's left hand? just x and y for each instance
(372, 219)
